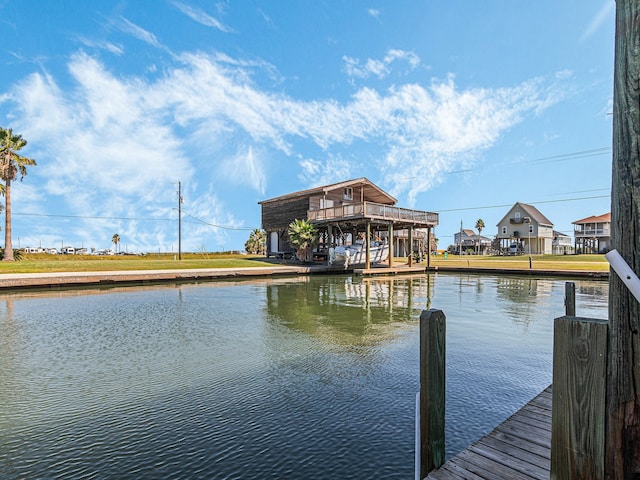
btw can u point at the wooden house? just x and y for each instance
(524, 229)
(344, 213)
(593, 234)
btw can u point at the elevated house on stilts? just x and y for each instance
(346, 213)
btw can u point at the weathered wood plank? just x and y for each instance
(579, 367)
(541, 460)
(517, 449)
(623, 367)
(512, 457)
(432, 389)
(489, 468)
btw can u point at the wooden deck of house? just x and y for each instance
(519, 448)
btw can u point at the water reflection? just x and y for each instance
(310, 377)
(348, 310)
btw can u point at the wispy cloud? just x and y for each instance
(132, 138)
(140, 33)
(374, 12)
(103, 45)
(200, 16)
(353, 67)
(608, 8)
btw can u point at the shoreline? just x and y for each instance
(66, 280)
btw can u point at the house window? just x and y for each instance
(530, 228)
(517, 216)
(347, 193)
(504, 230)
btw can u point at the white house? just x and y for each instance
(526, 228)
(593, 234)
(562, 244)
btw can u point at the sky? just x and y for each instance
(451, 106)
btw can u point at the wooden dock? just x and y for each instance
(519, 448)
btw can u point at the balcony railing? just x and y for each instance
(593, 232)
(373, 211)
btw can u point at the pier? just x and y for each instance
(519, 448)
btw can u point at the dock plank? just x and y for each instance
(518, 448)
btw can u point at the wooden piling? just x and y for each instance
(579, 385)
(570, 299)
(432, 390)
(623, 375)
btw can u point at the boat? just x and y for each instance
(356, 254)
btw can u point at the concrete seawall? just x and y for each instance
(54, 280)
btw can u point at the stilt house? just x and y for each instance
(344, 213)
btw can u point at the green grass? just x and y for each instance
(36, 263)
(593, 263)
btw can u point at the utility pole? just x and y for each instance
(179, 220)
(622, 411)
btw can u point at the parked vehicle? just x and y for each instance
(515, 249)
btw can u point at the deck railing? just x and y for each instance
(373, 210)
(590, 232)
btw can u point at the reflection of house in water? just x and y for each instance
(348, 311)
(518, 297)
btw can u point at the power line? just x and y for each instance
(224, 227)
(137, 219)
(530, 203)
(90, 217)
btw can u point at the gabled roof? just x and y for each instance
(560, 234)
(371, 191)
(530, 211)
(604, 218)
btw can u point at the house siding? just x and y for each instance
(278, 215)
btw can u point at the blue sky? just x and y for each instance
(453, 106)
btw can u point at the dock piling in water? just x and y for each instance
(432, 390)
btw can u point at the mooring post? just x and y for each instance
(578, 398)
(570, 299)
(623, 366)
(432, 390)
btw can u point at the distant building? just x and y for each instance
(469, 241)
(593, 234)
(525, 229)
(562, 244)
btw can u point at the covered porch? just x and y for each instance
(402, 228)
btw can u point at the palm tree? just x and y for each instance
(257, 243)
(303, 236)
(479, 227)
(10, 164)
(115, 239)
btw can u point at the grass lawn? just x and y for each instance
(592, 263)
(35, 263)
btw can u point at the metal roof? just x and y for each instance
(371, 192)
(604, 218)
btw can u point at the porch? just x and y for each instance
(403, 228)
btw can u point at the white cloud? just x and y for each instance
(130, 139)
(607, 9)
(140, 33)
(378, 68)
(331, 169)
(104, 45)
(374, 12)
(201, 17)
(247, 168)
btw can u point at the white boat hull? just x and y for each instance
(357, 254)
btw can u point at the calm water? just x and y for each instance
(299, 378)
